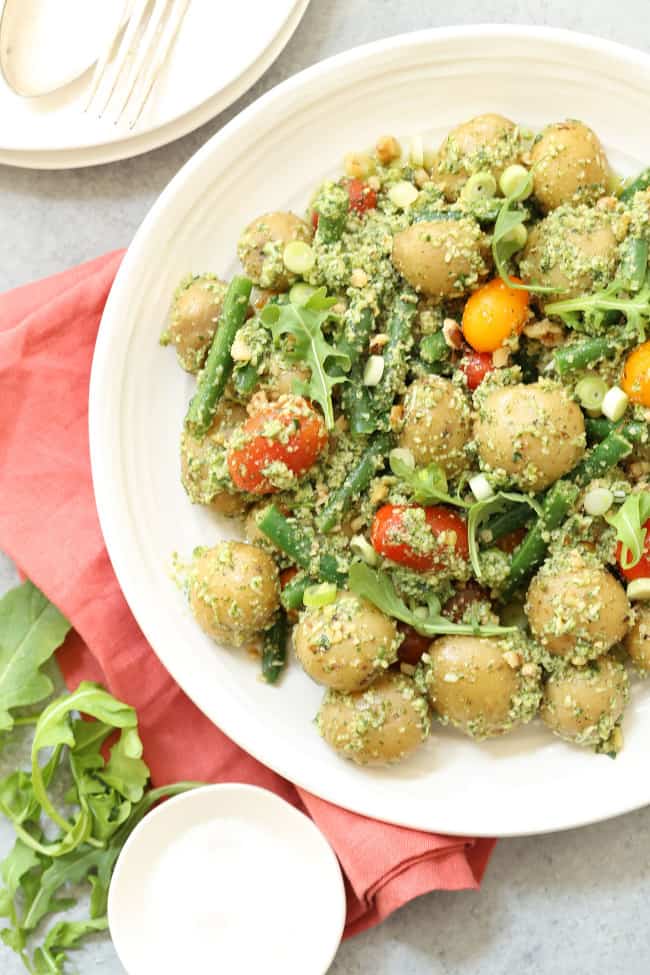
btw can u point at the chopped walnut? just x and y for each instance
(396, 416)
(379, 492)
(258, 402)
(374, 183)
(421, 178)
(358, 278)
(607, 203)
(452, 333)
(387, 149)
(377, 342)
(240, 351)
(530, 670)
(545, 331)
(501, 357)
(513, 659)
(358, 165)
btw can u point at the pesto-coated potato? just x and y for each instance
(436, 424)
(472, 685)
(346, 644)
(485, 143)
(531, 435)
(442, 258)
(204, 471)
(576, 608)
(569, 165)
(377, 726)
(574, 249)
(261, 246)
(234, 591)
(193, 318)
(584, 704)
(637, 641)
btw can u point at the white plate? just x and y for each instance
(270, 157)
(54, 133)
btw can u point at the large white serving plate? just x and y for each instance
(269, 157)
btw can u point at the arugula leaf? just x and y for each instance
(506, 241)
(376, 586)
(31, 629)
(482, 510)
(305, 324)
(427, 484)
(630, 522)
(590, 313)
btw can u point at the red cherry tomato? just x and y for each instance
(287, 575)
(413, 645)
(642, 569)
(362, 196)
(456, 607)
(315, 215)
(297, 443)
(476, 366)
(508, 543)
(388, 531)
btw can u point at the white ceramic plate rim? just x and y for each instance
(158, 136)
(115, 516)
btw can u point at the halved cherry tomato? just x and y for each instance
(362, 196)
(387, 535)
(493, 314)
(642, 569)
(508, 543)
(476, 366)
(315, 215)
(636, 375)
(412, 646)
(289, 431)
(456, 607)
(287, 575)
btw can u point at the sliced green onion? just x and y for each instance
(373, 370)
(512, 178)
(321, 595)
(403, 194)
(518, 235)
(598, 501)
(402, 455)
(416, 151)
(480, 186)
(481, 487)
(301, 293)
(362, 547)
(615, 403)
(591, 392)
(639, 589)
(298, 257)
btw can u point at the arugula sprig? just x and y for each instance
(376, 586)
(631, 529)
(509, 234)
(304, 322)
(426, 484)
(480, 511)
(108, 795)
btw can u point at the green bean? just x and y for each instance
(633, 265)
(508, 521)
(356, 482)
(218, 366)
(297, 545)
(642, 182)
(294, 590)
(358, 325)
(332, 207)
(274, 649)
(396, 353)
(604, 456)
(599, 427)
(581, 355)
(245, 380)
(434, 349)
(533, 549)
(428, 215)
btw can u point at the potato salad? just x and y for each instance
(426, 399)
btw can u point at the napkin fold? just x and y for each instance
(49, 526)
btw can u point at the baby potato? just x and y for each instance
(261, 246)
(574, 249)
(488, 142)
(346, 644)
(576, 608)
(436, 424)
(203, 462)
(584, 704)
(531, 434)
(569, 165)
(377, 726)
(234, 591)
(193, 319)
(637, 641)
(472, 686)
(442, 258)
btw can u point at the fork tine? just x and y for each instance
(139, 9)
(172, 29)
(145, 48)
(105, 56)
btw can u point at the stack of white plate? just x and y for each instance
(220, 53)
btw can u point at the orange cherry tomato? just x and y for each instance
(412, 646)
(642, 569)
(362, 196)
(388, 531)
(493, 314)
(636, 375)
(476, 366)
(288, 431)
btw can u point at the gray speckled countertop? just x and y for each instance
(565, 904)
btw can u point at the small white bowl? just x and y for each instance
(226, 878)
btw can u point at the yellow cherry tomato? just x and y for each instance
(493, 314)
(636, 375)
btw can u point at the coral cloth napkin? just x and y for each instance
(49, 526)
